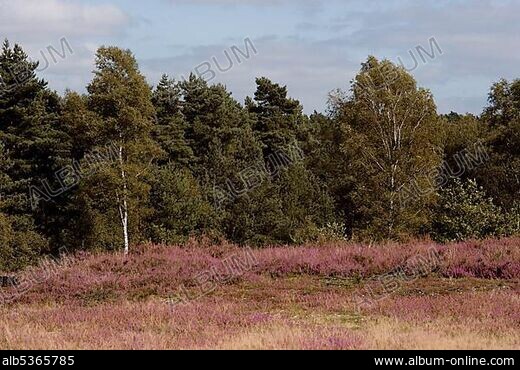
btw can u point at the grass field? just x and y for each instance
(339, 296)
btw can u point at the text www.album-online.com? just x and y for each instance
(441, 361)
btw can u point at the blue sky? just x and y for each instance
(312, 46)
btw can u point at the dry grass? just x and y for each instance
(387, 333)
(266, 316)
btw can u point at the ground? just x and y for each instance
(339, 296)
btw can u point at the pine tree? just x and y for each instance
(219, 131)
(180, 206)
(20, 242)
(6, 231)
(300, 204)
(170, 128)
(278, 117)
(33, 144)
(332, 165)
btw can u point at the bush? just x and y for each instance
(513, 219)
(464, 212)
(18, 248)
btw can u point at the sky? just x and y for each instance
(455, 48)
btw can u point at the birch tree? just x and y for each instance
(122, 99)
(394, 135)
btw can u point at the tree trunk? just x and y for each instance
(123, 204)
(125, 226)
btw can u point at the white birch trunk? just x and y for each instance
(125, 227)
(123, 205)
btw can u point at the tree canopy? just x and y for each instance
(128, 163)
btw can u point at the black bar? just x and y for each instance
(175, 359)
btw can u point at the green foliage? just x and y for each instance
(460, 133)
(219, 133)
(15, 238)
(392, 140)
(513, 218)
(306, 205)
(180, 207)
(501, 175)
(464, 212)
(277, 117)
(331, 165)
(300, 203)
(30, 151)
(186, 159)
(116, 196)
(170, 128)
(504, 103)
(20, 244)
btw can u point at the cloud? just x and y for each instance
(313, 46)
(38, 25)
(36, 19)
(309, 7)
(244, 2)
(478, 39)
(309, 70)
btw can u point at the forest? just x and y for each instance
(128, 163)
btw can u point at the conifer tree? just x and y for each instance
(33, 147)
(170, 128)
(301, 205)
(228, 160)
(278, 117)
(332, 165)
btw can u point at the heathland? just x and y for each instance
(416, 295)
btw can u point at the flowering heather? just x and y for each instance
(492, 259)
(161, 270)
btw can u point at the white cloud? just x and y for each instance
(313, 51)
(39, 24)
(36, 19)
(310, 71)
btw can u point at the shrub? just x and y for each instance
(465, 212)
(513, 219)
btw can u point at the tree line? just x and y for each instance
(127, 163)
